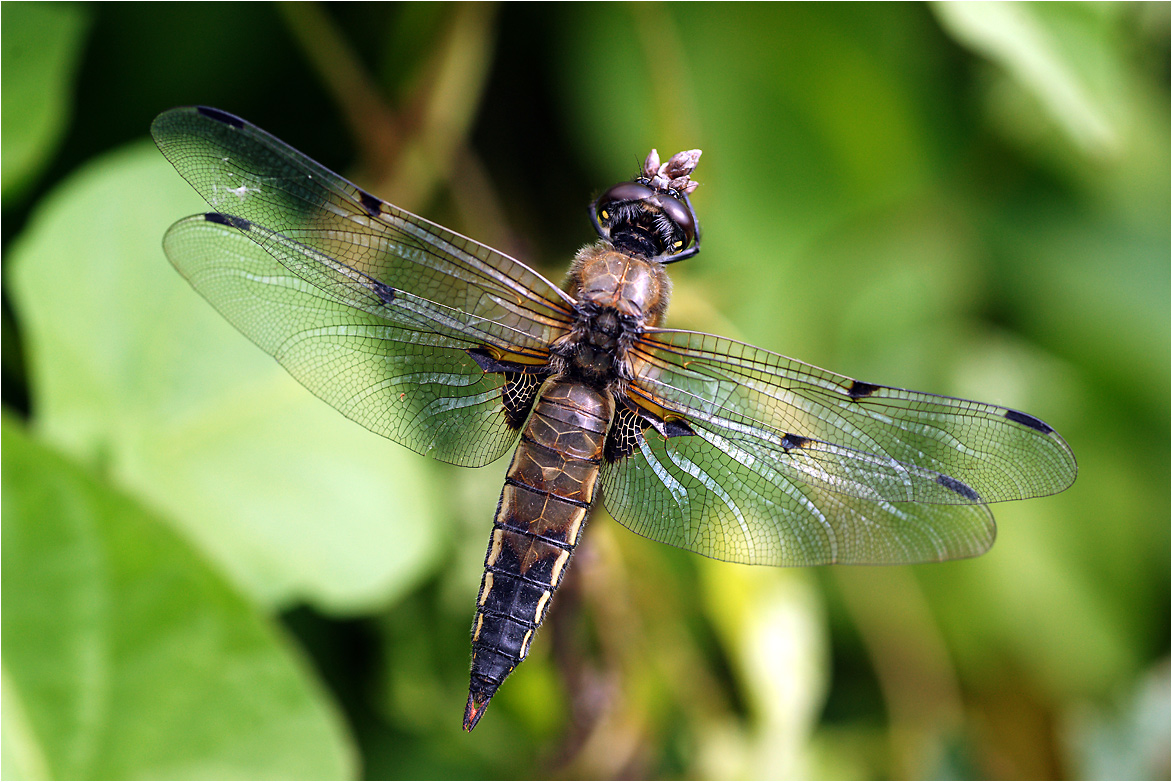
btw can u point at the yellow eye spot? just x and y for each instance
(605, 215)
(678, 245)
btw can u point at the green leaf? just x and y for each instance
(21, 756)
(133, 373)
(38, 58)
(1062, 53)
(771, 623)
(1129, 738)
(128, 657)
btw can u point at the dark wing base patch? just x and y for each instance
(629, 428)
(522, 382)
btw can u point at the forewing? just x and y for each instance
(857, 439)
(347, 338)
(245, 172)
(715, 493)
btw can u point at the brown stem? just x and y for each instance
(371, 122)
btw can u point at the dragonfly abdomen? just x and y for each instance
(548, 490)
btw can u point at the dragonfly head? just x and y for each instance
(651, 215)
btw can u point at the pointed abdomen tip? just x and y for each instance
(477, 701)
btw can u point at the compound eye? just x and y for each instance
(623, 192)
(626, 191)
(681, 216)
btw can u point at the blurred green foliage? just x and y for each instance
(38, 67)
(208, 573)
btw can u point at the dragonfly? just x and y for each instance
(463, 353)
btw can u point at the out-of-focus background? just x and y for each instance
(209, 573)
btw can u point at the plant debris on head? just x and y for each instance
(674, 174)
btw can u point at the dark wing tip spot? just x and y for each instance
(859, 390)
(220, 116)
(1028, 420)
(239, 223)
(794, 441)
(961, 488)
(370, 203)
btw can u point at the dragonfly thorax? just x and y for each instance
(603, 278)
(619, 295)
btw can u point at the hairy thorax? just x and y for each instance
(618, 295)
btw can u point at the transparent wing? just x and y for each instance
(872, 441)
(711, 494)
(788, 464)
(385, 367)
(370, 307)
(243, 171)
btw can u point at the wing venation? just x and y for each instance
(886, 433)
(372, 308)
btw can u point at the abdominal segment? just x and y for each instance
(548, 490)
